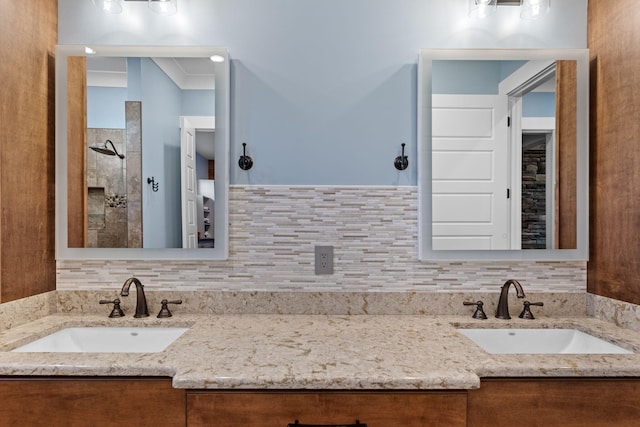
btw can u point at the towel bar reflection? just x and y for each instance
(154, 184)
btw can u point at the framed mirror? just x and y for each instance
(503, 154)
(142, 152)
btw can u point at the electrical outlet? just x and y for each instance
(324, 259)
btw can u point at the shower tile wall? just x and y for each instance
(273, 231)
(133, 113)
(114, 184)
(107, 191)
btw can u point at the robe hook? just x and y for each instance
(245, 161)
(401, 162)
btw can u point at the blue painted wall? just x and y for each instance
(466, 77)
(333, 81)
(161, 104)
(483, 78)
(105, 107)
(539, 104)
(198, 103)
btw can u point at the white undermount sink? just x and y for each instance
(105, 340)
(540, 341)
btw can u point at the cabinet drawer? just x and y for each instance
(82, 401)
(555, 402)
(279, 408)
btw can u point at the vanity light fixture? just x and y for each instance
(532, 9)
(108, 6)
(163, 7)
(482, 8)
(529, 9)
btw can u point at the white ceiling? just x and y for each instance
(186, 73)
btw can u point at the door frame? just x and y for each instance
(197, 123)
(515, 86)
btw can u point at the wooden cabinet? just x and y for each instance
(69, 402)
(101, 401)
(549, 402)
(612, 36)
(28, 30)
(279, 408)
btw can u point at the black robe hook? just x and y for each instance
(401, 162)
(245, 162)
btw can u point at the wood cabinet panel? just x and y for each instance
(28, 30)
(279, 408)
(614, 235)
(555, 402)
(77, 148)
(566, 146)
(92, 402)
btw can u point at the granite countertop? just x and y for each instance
(318, 352)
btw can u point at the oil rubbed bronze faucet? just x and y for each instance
(141, 302)
(502, 311)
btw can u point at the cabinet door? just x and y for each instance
(279, 408)
(561, 402)
(92, 402)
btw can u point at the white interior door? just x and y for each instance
(189, 196)
(470, 172)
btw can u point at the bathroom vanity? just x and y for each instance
(271, 370)
(153, 401)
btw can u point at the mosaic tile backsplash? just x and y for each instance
(274, 230)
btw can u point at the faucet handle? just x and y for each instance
(479, 313)
(117, 311)
(526, 311)
(164, 310)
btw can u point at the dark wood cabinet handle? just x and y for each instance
(297, 424)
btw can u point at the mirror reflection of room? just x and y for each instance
(134, 107)
(503, 155)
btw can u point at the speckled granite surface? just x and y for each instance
(318, 352)
(619, 313)
(556, 304)
(26, 310)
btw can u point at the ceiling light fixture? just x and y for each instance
(529, 9)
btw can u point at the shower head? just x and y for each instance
(106, 150)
